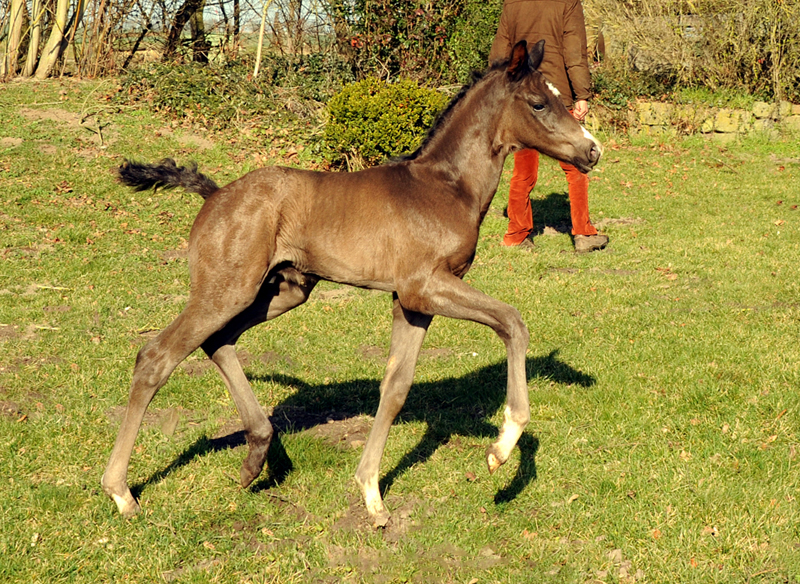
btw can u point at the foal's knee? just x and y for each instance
(515, 330)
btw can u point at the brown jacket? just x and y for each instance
(560, 23)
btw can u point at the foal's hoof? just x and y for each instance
(248, 474)
(380, 519)
(126, 504)
(492, 461)
(253, 464)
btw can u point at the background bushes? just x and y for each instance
(752, 47)
(662, 49)
(222, 96)
(440, 41)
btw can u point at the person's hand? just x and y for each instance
(579, 109)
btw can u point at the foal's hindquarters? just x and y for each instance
(230, 248)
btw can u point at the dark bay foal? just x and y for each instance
(260, 244)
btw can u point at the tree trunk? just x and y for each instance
(37, 13)
(135, 48)
(183, 15)
(56, 43)
(236, 22)
(261, 37)
(200, 45)
(72, 30)
(8, 66)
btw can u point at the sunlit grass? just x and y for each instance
(663, 378)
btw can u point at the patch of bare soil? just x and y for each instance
(199, 367)
(144, 336)
(434, 353)
(174, 254)
(30, 362)
(350, 433)
(557, 229)
(97, 129)
(184, 571)
(27, 406)
(436, 564)
(407, 515)
(267, 358)
(54, 115)
(336, 294)
(9, 332)
(27, 251)
(10, 142)
(610, 272)
(372, 352)
(9, 409)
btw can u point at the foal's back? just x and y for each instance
(337, 225)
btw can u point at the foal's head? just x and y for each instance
(534, 116)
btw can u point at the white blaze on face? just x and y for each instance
(553, 88)
(592, 138)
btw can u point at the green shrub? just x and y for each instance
(371, 120)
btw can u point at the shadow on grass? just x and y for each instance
(457, 406)
(551, 211)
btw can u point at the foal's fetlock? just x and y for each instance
(126, 504)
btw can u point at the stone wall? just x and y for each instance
(718, 123)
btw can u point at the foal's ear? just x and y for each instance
(519, 64)
(537, 54)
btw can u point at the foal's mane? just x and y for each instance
(444, 115)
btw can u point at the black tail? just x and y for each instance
(166, 174)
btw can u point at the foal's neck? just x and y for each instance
(464, 149)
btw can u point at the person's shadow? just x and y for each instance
(457, 406)
(551, 211)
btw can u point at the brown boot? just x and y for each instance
(587, 243)
(527, 244)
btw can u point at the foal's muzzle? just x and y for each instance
(594, 153)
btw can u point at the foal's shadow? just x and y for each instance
(551, 211)
(457, 406)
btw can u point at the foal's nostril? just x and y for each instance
(594, 153)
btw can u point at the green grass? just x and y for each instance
(663, 378)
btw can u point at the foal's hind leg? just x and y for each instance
(274, 299)
(154, 364)
(408, 332)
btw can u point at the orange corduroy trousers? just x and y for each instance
(523, 179)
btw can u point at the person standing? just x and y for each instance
(561, 24)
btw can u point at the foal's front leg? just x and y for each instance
(408, 332)
(447, 295)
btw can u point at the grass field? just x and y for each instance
(664, 444)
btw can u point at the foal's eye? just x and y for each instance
(538, 107)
